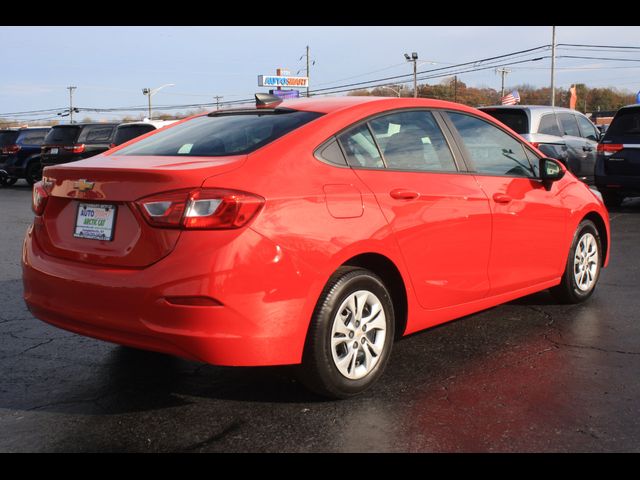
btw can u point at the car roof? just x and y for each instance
(333, 104)
(530, 107)
(86, 125)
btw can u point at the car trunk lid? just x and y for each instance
(112, 181)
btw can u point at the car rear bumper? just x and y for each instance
(258, 321)
(622, 184)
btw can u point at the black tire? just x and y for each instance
(568, 291)
(612, 200)
(8, 181)
(33, 173)
(319, 371)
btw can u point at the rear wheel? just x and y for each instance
(33, 173)
(8, 181)
(583, 265)
(350, 336)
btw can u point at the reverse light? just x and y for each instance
(207, 209)
(39, 198)
(609, 148)
(77, 148)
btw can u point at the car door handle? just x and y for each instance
(501, 198)
(403, 194)
(587, 149)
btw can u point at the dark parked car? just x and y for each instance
(20, 157)
(128, 131)
(618, 163)
(7, 138)
(68, 143)
(560, 133)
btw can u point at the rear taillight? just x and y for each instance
(112, 145)
(207, 208)
(77, 148)
(11, 149)
(39, 198)
(609, 148)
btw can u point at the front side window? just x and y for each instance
(360, 148)
(493, 151)
(569, 124)
(221, 134)
(587, 130)
(412, 141)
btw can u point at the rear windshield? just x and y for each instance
(124, 133)
(625, 123)
(32, 137)
(8, 137)
(96, 134)
(63, 134)
(222, 134)
(516, 120)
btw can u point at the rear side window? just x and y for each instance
(549, 125)
(568, 124)
(587, 129)
(32, 137)
(61, 135)
(515, 119)
(221, 134)
(8, 137)
(96, 134)
(360, 148)
(412, 141)
(128, 132)
(492, 151)
(625, 123)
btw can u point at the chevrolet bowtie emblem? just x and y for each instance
(83, 185)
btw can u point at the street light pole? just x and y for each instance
(149, 92)
(414, 58)
(71, 89)
(553, 66)
(218, 97)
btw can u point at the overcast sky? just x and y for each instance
(111, 65)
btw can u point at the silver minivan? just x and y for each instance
(558, 132)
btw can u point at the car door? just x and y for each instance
(577, 147)
(439, 216)
(528, 219)
(590, 136)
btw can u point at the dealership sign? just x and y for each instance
(282, 81)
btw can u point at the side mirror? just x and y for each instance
(550, 170)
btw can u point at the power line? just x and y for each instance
(625, 47)
(601, 58)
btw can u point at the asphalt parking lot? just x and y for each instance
(527, 376)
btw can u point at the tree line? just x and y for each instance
(589, 99)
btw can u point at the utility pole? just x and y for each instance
(218, 98)
(308, 72)
(553, 66)
(71, 89)
(455, 88)
(503, 71)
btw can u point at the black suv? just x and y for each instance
(618, 161)
(20, 154)
(68, 143)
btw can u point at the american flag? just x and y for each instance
(511, 98)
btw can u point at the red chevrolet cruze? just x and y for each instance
(309, 232)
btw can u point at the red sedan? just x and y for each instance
(309, 232)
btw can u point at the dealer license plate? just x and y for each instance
(53, 151)
(95, 221)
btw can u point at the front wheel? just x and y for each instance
(350, 336)
(583, 265)
(33, 173)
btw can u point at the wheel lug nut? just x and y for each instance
(362, 340)
(364, 328)
(355, 345)
(357, 324)
(350, 334)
